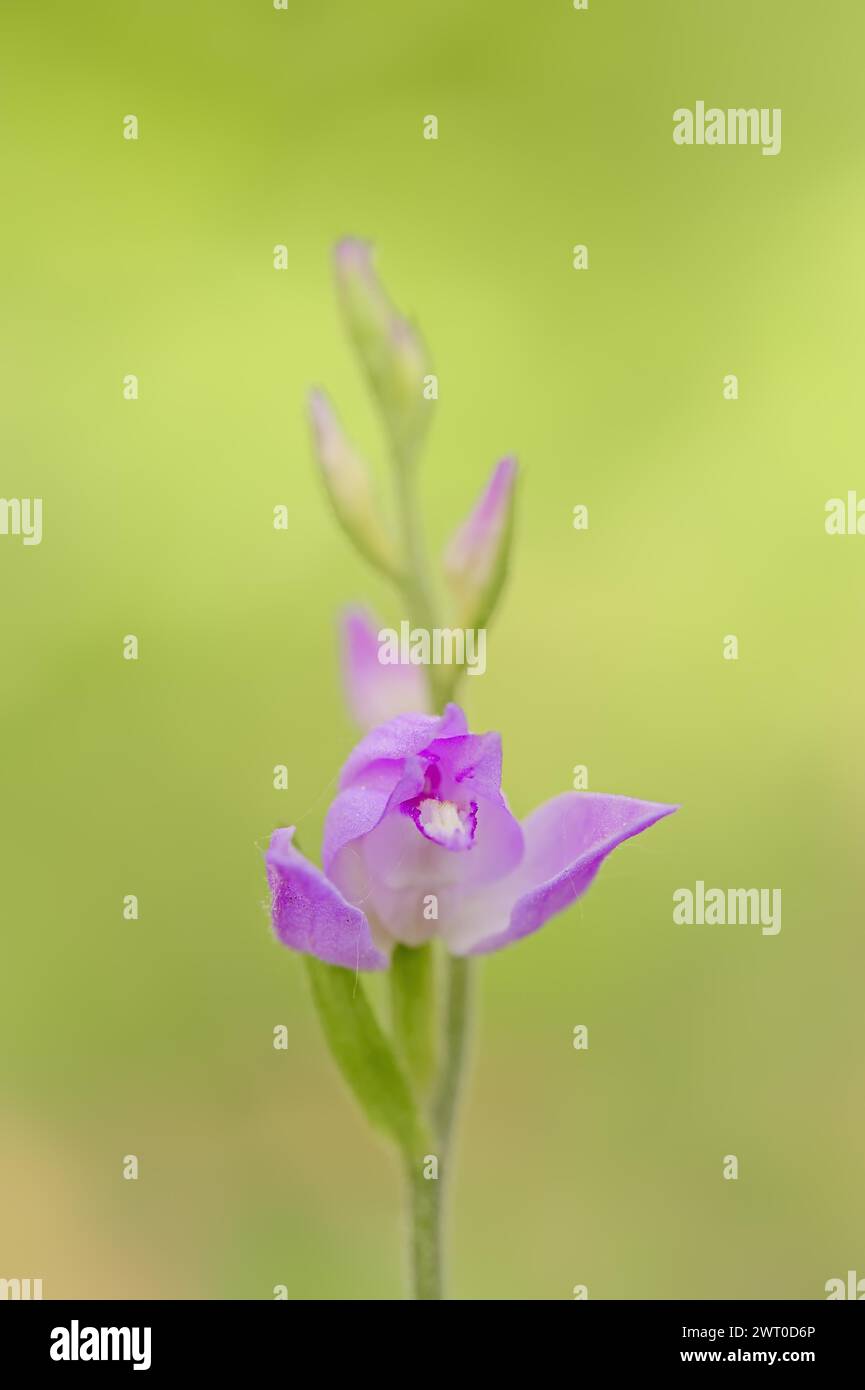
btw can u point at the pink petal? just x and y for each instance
(566, 841)
(310, 915)
(400, 738)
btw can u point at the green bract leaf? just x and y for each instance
(364, 1055)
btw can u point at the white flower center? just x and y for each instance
(444, 822)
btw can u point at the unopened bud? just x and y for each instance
(476, 559)
(348, 484)
(389, 347)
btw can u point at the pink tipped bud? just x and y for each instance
(349, 486)
(389, 347)
(476, 559)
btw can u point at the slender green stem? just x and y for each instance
(414, 980)
(417, 584)
(413, 1008)
(426, 1184)
(458, 1013)
(426, 1261)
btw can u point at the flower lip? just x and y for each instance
(445, 823)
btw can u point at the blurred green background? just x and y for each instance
(260, 127)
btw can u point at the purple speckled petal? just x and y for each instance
(499, 845)
(310, 915)
(402, 867)
(468, 765)
(355, 813)
(394, 870)
(566, 841)
(400, 738)
(366, 849)
(376, 692)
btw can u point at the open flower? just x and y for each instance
(420, 842)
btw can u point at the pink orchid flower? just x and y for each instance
(420, 842)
